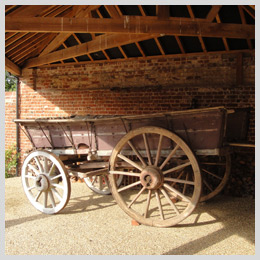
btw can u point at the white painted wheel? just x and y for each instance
(45, 181)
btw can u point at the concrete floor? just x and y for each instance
(92, 224)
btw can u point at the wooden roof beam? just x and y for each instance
(100, 43)
(200, 38)
(250, 11)
(213, 13)
(163, 11)
(243, 19)
(62, 37)
(130, 25)
(12, 68)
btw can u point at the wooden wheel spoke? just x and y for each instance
(177, 168)
(179, 181)
(56, 193)
(136, 197)
(164, 192)
(34, 169)
(94, 180)
(100, 182)
(185, 184)
(31, 188)
(137, 153)
(212, 174)
(58, 186)
(208, 186)
(125, 173)
(147, 148)
(169, 156)
(52, 199)
(105, 178)
(37, 196)
(45, 201)
(45, 165)
(147, 203)
(159, 204)
(184, 198)
(38, 164)
(129, 186)
(158, 150)
(56, 177)
(213, 163)
(137, 166)
(51, 169)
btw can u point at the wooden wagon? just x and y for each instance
(157, 166)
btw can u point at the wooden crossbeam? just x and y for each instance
(213, 12)
(12, 68)
(130, 25)
(99, 43)
(78, 11)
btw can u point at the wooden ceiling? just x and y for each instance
(43, 35)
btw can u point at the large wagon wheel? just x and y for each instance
(45, 182)
(160, 196)
(99, 183)
(215, 171)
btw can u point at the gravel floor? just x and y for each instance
(92, 224)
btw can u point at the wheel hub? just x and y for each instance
(41, 183)
(151, 178)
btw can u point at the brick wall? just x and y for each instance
(137, 86)
(10, 114)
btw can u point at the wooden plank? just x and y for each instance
(78, 11)
(28, 11)
(112, 11)
(213, 13)
(223, 38)
(12, 68)
(130, 25)
(163, 11)
(56, 42)
(243, 19)
(242, 145)
(180, 44)
(100, 43)
(250, 11)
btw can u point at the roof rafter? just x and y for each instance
(100, 43)
(60, 38)
(12, 68)
(213, 12)
(130, 25)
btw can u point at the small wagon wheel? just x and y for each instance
(215, 171)
(45, 182)
(99, 183)
(160, 196)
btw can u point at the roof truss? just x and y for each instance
(42, 35)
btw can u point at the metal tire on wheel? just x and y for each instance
(45, 181)
(158, 159)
